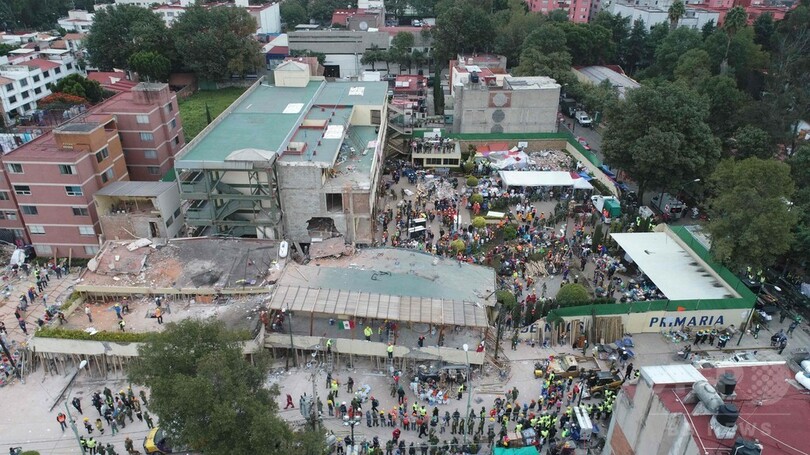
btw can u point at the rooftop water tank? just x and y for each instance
(708, 396)
(727, 415)
(726, 383)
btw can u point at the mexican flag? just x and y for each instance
(347, 325)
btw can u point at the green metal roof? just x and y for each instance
(259, 120)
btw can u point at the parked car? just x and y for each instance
(583, 119)
(583, 143)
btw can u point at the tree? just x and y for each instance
(751, 221)
(572, 294)
(693, 67)
(118, 33)
(618, 25)
(588, 44)
(217, 42)
(512, 32)
(659, 136)
(726, 102)
(293, 13)
(676, 11)
(400, 50)
(736, 19)
(633, 48)
(544, 54)
(708, 28)
(372, 55)
(150, 65)
(750, 141)
(558, 15)
(6, 48)
(463, 27)
(78, 85)
(764, 29)
(479, 222)
(198, 376)
(743, 58)
(438, 92)
(800, 172)
(672, 47)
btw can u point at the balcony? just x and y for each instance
(200, 210)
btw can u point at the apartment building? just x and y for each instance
(77, 20)
(150, 128)
(53, 179)
(24, 76)
(47, 185)
(579, 11)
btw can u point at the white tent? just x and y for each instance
(545, 178)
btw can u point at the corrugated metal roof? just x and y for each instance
(356, 304)
(672, 374)
(136, 189)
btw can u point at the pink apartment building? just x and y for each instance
(47, 185)
(150, 128)
(579, 11)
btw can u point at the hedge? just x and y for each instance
(116, 337)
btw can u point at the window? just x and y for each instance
(4, 195)
(26, 106)
(80, 211)
(67, 169)
(29, 209)
(22, 190)
(87, 230)
(102, 154)
(38, 90)
(142, 119)
(174, 123)
(14, 168)
(169, 221)
(23, 82)
(177, 140)
(153, 170)
(8, 215)
(12, 99)
(334, 202)
(150, 154)
(24, 95)
(36, 229)
(177, 213)
(69, 66)
(57, 70)
(43, 250)
(89, 249)
(147, 137)
(73, 190)
(107, 175)
(37, 78)
(9, 87)
(169, 107)
(46, 74)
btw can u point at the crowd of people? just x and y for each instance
(114, 410)
(420, 425)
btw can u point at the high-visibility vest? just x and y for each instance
(368, 332)
(391, 348)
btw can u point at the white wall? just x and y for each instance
(270, 20)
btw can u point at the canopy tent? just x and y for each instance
(545, 178)
(355, 304)
(530, 450)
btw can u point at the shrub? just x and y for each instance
(509, 232)
(476, 198)
(479, 222)
(468, 166)
(70, 334)
(600, 187)
(72, 298)
(472, 181)
(458, 245)
(572, 294)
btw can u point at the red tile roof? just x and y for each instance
(340, 16)
(772, 409)
(74, 36)
(41, 63)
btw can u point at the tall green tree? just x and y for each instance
(512, 30)
(750, 141)
(462, 27)
(118, 33)
(693, 67)
(618, 25)
(207, 395)
(150, 66)
(544, 54)
(217, 42)
(293, 13)
(78, 85)
(675, 12)
(741, 58)
(671, 48)
(660, 137)
(800, 172)
(764, 28)
(372, 55)
(588, 44)
(751, 219)
(726, 104)
(736, 19)
(632, 51)
(5, 49)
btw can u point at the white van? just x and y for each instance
(583, 119)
